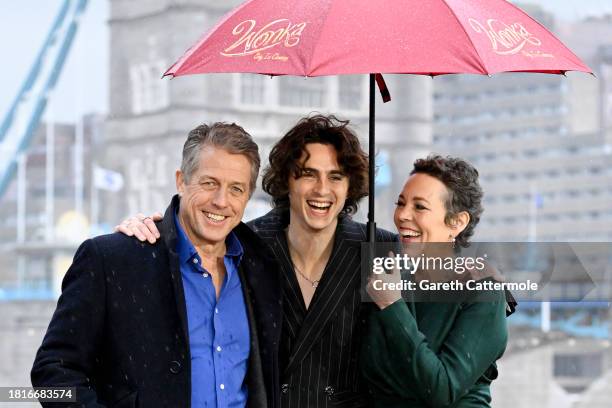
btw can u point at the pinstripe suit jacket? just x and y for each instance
(319, 347)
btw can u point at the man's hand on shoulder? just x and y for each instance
(141, 226)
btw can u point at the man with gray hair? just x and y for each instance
(192, 320)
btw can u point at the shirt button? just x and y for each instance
(222, 386)
(219, 348)
(195, 260)
(175, 367)
(205, 275)
(216, 310)
(284, 388)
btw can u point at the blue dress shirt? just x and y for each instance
(219, 337)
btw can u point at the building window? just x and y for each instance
(252, 89)
(303, 92)
(149, 91)
(343, 93)
(350, 89)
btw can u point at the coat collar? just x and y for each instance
(260, 268)
(169, 236)
(249, 241)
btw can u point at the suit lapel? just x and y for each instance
(340, 279)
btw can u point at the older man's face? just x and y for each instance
(213, 201)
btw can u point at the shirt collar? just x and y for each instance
(186, 251)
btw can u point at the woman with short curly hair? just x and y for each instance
(417, 354)
(463, 192)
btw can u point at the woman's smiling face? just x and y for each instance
(420, 211)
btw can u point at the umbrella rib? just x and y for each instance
(480, 60)
(314, 48)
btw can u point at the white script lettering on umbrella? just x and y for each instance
(505, 39)
(252, 41)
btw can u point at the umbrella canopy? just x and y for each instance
(331, 37)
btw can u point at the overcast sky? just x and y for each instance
(84, 81)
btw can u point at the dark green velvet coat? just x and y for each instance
(418, 355)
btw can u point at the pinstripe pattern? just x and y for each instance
(319, 347)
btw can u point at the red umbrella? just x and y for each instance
(330, 37)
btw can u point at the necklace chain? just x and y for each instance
(314, 283)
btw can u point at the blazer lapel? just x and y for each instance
(168, 233)
(261, 275)
(257, 390)
(340, 278)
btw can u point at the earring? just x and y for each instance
(451, 239)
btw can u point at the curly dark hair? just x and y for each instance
(325, 129)
(464, 191)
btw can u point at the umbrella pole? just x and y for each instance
(371, 226)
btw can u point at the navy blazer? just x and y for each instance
(119, 333)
